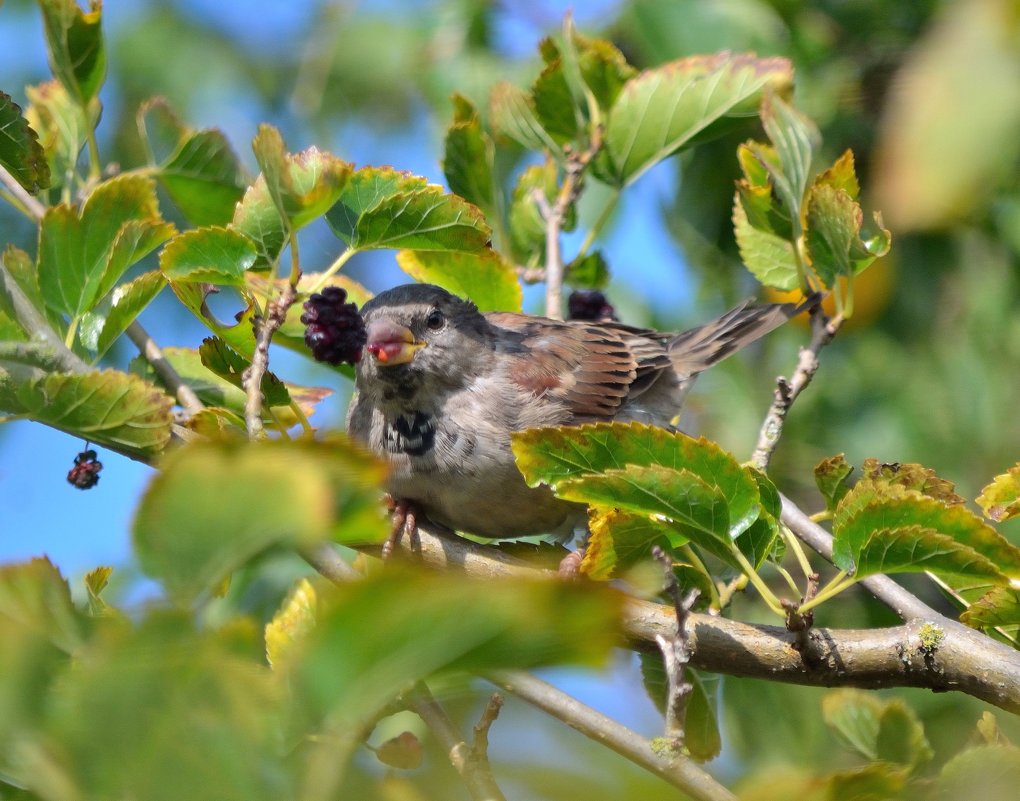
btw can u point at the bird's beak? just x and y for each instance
(391, 343)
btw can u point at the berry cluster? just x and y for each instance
(85, 473)
(589, 304)
(334, 330)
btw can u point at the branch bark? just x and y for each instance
(682, 773)
(961, 659)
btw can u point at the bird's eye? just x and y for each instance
(435, 320)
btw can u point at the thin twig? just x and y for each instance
(474, 768)
(554, 216)
(679, 771)
(822, 332)
(480, 743)
(676, 654)
(168, 375)
(32, 206)
(265, 327)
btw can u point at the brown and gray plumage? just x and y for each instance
(442, 386)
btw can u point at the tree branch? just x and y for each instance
(822, 332)
(681, 772)
(32, 207)
(472, 766)
(963, 660)
(265, 327)
(168, 375)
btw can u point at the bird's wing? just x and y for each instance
(591, 368)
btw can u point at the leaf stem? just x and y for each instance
(763, 590)
(836, 585)
(698, 564)
(794, 545)
(334, 268)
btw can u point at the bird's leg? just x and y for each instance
(570, 565)
(403, 520)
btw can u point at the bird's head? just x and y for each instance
(421, 333)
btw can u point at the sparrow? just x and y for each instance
(442, 386)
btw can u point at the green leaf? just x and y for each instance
(82, 256)
(303, 186)
(95, 582)
(701, 726)
(662, 110)
(593, 65)
(1000, 606)
(468, 156)
(161, 711)
(240, 336)
(795, 140)
(986, 772)
(769, 257)
(379, 635)
(550, 455)
(590, 271)
(699, 510)
(512, 116)
(63, 126)
(382, 208)
(216, 505)
(203, 177)
(107, 408)
(834, 240)
(100, 328)
(886, 528)
(1000, 500)
(830, 477)
(35, 595)
(484, 277)
(20, 151)
(257, 218)
(74, 40)
(228, 364)
(887, 731)
(208, 255)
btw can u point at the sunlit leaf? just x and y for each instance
(209, 255)
(257, 218)
(382, 208)
(63, 125)
(618, 540)
(795, 139)
(886, 528)
(484, 277)
(550, 455)
(83, 255)
(303, 185)
(74, 40)
(203, 177)
(95, 582)
(107, 408)
(36, 596)
(20, 152)
(215, 505)
(661, 110)
(512, 115)
(1000, 500)
(771, 258)
(911, 476)
(101, 327)
(293, 621)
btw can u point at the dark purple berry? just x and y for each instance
(589, 304)
(85, 473)
(334, 331)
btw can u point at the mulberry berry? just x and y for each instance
(334, 330)
(589, 304)
(85, 473)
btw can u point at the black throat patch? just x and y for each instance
(413, 434)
